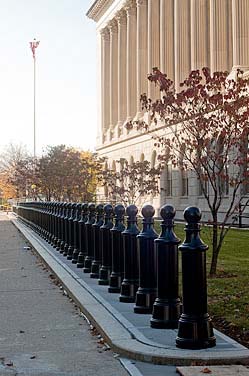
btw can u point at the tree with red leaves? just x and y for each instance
(204, 128)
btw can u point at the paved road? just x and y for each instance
(41, 332)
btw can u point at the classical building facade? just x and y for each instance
(176, 36)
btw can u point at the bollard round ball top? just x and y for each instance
(108, 209)
(148, 211)
(100, 208)
(167, 212)
(84, 207)
(91, 207)
(192, 214)
(131, 211)
(119, 210)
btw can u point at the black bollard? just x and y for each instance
(60, 216)
(71, 232)
(195, 329)
(106, 261)
(96, 241)
(66, 228)
(117, 250)
(76, 233)
(50, 220)
(89, 239)
(129, 285)
(56, 215)
(166, 308)
(146, 293)
(82, 235)
(62, 225)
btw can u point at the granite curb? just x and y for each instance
(119, 333)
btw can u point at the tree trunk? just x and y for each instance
(215, 252)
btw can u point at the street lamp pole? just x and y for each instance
(33, 45)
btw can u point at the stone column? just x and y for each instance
(131, 60)
(142, 39)
(167, 38)
(153, 43)
(105, 82)
(122, 102)
(200, 44)
(240, 21)
(113, 27)
(220, 35)
(182, 41)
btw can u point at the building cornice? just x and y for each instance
(98, 8)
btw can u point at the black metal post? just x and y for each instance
(106, 262)
(129, 285)
(82, 235)
(195, 329)
(146, 293)
(89, 239)
(66, 228)
(166, 308)
(63, 227)
(97, 241)
(56, 214)
(76, 233)
(117, 249)
(71, 232)
(59, 219)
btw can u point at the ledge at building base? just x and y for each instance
(128, 334)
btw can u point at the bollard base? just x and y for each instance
(70, 253)
(87, 264)
(61, 247)
(144, 300)
(80, 263)
(115, 283)
(86, 270)
(195, 333)
(95, 269)
(128, 291)
(65, 251)
(166, 313)
(75, 256)
(104, 276)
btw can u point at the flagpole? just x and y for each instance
(34, 109)
(33, 45)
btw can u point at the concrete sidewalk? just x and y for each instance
(42, 333)
(127, 333)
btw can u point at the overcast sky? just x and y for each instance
(65, 79)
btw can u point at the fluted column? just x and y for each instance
(240, 21)
(182, 41)
(142, 40)
(105, 81)
(122, 101)
(167, 38)
(199, 34)
(220, 35)
(113, 27)
(153, 43)
(131, 60)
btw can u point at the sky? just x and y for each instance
(65, 74)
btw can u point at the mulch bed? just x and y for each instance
(231, 330)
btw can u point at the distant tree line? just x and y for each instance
(61, 173)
